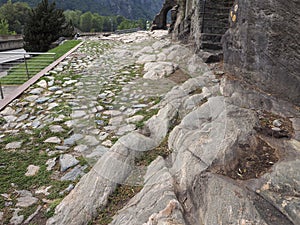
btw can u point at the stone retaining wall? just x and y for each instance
(9, 42)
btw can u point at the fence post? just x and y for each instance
(28, 77)
(1, 91)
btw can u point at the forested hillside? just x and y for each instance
(131, 9)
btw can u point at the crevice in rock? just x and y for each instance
(269, 212)
(252, 160)
(274, 125)
(116, 201)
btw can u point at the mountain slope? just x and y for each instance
(132, 9)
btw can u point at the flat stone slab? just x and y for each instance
(66, 161)
(14, 145)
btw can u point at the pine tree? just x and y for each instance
(45, 25)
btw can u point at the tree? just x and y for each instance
(73, 16)
(15, 14)
(45, 25)
(4, 27)
(86, 21)
(97, 22)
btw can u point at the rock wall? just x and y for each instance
(262, 46)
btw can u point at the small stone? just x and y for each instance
(31, 98)
(42, 100)
(102, 96)
(42, 84)
(99, 108)
(107, 143)
(69, 82)
(139, 106)
(112, 112)
(59, 118)
(1, 216)
(8, 111)
(53, 140)
(26, 201)
(103, 136)
(50, 163)
(74, 173)
(54, 88)
(14, 145)
(72, 140)
(36, 124)
(43, 190)
(50, 83)
(215, 81)
(56, 129)
(22, 118)
(99, 122)
(276, 129)
(66, 161)
(277, 123)
(62, 148)
(36, 91)
(10, 119)
(16, 219)
(135, 119)
(116, 121)
(81, 148)
(52, 105)
(59, 92)
(78, 114)
(32, 170)
(90, 140)
(219, 72)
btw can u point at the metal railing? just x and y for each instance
(17, 67)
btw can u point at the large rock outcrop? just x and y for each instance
(262, 46)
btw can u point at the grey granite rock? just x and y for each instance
(73, 139)
(66, 161)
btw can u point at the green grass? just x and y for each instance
(18, 74)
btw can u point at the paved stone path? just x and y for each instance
(76, 112)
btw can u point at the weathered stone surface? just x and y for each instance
(53, 140)
(112, 168)
(73, 139)
(42, 84)
(14, 145)
(270, 60)
(26, 199)
(155, 203)
(284, 179)
(66, 161)
(32, 170)
(74, 173)
(16, 219)
(216, 199)
(146, 58)
(8, 111)
(158, 70)
(56, 129)
(51, 163)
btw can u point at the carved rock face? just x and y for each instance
(261, 46)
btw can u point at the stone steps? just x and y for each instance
(215, 23)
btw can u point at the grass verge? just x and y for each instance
(18, 73)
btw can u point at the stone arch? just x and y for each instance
(160, 20)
